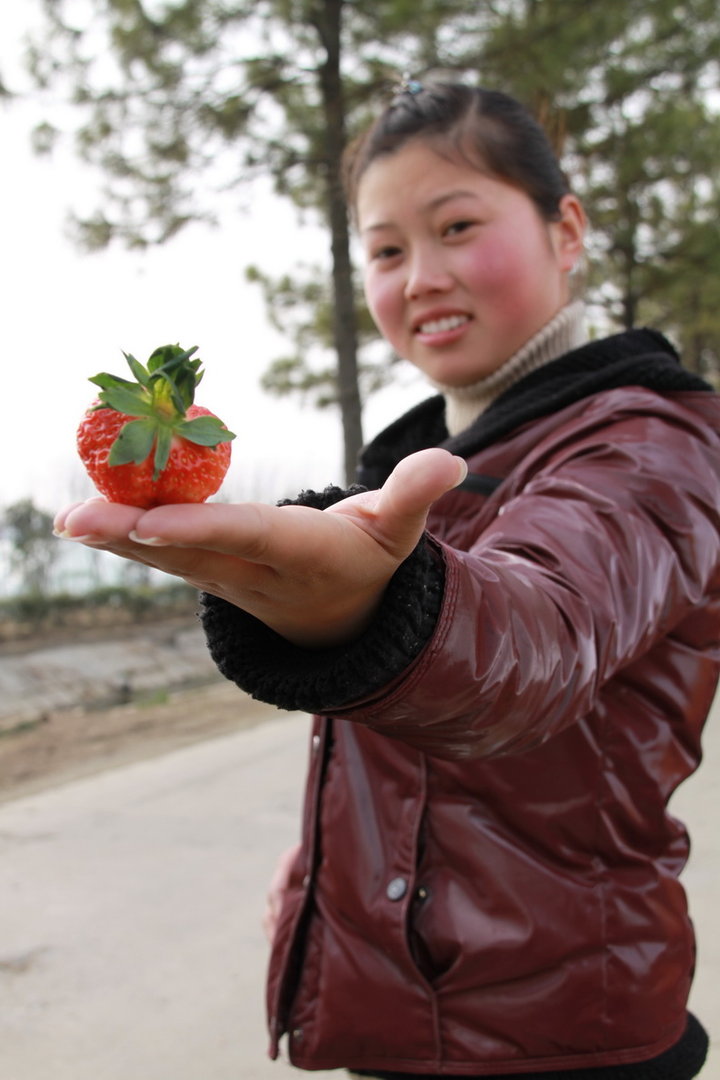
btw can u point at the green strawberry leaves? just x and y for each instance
(134, 443)
(163, 445)
(203, 430)
(124, 396)
(159, 398)
(141, 373)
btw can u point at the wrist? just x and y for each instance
(330, 629)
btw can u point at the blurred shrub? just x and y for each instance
(32, 614)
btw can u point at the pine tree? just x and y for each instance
(179, 99)
(631, 93)
(176, 96)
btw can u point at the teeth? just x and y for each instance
(440, 326)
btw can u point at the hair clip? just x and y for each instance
(409, 86)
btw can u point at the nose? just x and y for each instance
(426, 274)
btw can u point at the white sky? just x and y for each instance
(66, 315)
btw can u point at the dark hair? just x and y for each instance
(488, 128)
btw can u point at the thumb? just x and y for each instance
(409, 492)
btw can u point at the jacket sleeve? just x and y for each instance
(607, 540)
(610, 541)
(272, 669)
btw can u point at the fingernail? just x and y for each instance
(149, 541)
(87, 538)
(463, 469)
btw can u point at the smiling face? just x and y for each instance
(461, 269)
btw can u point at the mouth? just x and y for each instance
(442, 325)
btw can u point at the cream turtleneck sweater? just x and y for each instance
(565, 331)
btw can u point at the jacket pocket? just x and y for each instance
(427, 961)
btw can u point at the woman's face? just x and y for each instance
(461, 269)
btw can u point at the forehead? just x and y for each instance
(415, 177)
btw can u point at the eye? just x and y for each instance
(457, 227)
(383, 254)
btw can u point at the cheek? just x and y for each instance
(382, 300)
(507, 274)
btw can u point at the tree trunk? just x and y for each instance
(328, 22)
(629, 300)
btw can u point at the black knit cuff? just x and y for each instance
(272, 669)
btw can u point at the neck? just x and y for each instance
(565, 331)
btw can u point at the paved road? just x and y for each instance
(130, 941)
(130, 905)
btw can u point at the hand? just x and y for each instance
(316, 577)
(276, 891)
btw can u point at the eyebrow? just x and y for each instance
(434, 204)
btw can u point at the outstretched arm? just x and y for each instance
(315, 577)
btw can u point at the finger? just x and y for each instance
(61, 517)
(108, 526)
(419, 479)
(222, 527)
(415, 484)
(60, 527)
(252, 532)
(132, 531)
(96, 518)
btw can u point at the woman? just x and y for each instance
(509, 640)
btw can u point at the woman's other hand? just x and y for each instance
(276, 891)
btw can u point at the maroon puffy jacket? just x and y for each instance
(489, 876)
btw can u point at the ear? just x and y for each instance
(569, 232)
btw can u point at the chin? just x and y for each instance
(454, 379)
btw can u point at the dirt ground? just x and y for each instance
(71, 743)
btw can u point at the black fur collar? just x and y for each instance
(633, 358)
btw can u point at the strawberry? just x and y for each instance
(145, 443)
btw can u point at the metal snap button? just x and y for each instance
(396, 888)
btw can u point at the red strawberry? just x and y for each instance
(145, 443)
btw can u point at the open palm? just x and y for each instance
(316, 577)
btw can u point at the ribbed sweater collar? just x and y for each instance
(564, 332)
(640, 358)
